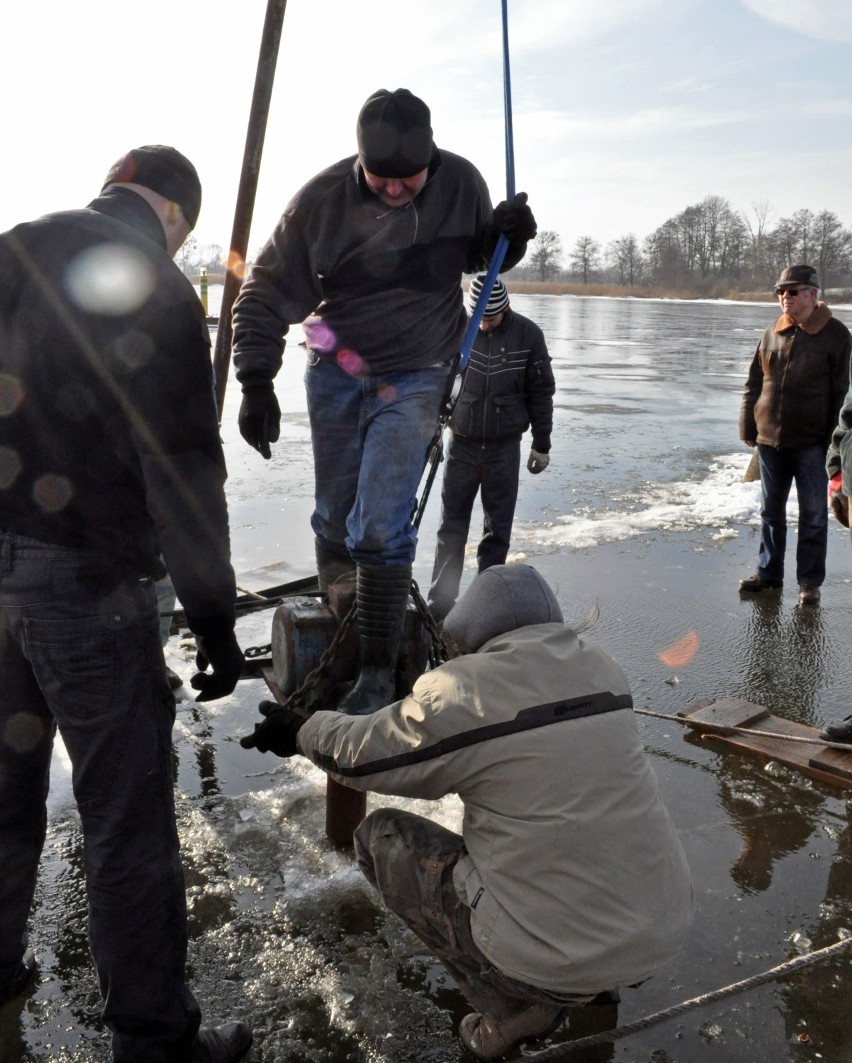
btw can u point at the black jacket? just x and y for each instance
(109, 440)
(508, 386)
(384, 284)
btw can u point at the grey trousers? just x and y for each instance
(410, 861)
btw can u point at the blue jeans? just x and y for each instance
(472, 467)
(370, 437)
(778, 469)
(80, 650)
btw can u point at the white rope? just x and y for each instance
(723, 729)
(558, 1052)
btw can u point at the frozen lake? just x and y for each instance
(642, 512)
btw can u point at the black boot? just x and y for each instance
(221, 1044)
(22, 978)
(382, 597)
(333, 563)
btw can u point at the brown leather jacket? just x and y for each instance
(797, 382)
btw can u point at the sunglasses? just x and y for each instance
(792, 292)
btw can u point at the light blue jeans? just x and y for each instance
(370, 437)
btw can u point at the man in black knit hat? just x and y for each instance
(109, 457)
(371, 251)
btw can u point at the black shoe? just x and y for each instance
(808, 594)
(840, 731)
(221, 1044)
(608, 996)
(757, 583)
(25, 974)
(174, 679)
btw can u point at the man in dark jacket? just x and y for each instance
(374, 248)
(795, 388)
(109, 458)
(508, 387)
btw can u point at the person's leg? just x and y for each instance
(400, 416)
(410, 861)
(335, 402)
(499, 497)
(96, 653)
(812, 490)
(26, 740)
(458, 493)
(776, 478)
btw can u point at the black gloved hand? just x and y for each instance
(277, 732)
(259, 418)
(515, 220)
(217, 648)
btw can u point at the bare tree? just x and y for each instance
(759, 258)
(626, 255)
(545, 258)
(187, 256)
(585, 257)
(832, 245)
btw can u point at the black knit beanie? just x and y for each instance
(394, 134)
(165, 171)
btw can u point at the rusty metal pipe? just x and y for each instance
(266, 63)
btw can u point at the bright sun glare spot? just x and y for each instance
(52, 492)
(110, 280)
(680, 652)
(11, 394)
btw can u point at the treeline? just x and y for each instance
(710, 249)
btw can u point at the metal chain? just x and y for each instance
(312, 679)
(438, 648)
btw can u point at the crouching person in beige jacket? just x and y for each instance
(569, 879)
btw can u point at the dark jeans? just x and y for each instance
(370, 436)
(471, 467)
(410, 861)
(80, 650)
(778, 470)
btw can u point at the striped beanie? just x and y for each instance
(497, 301)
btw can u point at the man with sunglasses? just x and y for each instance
(796, 385)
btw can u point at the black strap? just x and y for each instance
(526, 720)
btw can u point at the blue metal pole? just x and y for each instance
(502, 243)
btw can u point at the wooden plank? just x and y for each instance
(811, 758)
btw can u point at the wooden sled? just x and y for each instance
(812, 758)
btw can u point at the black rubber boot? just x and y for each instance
(22, 978)
(332, 564)
(221, 1044)
(382, 597)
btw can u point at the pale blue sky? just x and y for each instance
(625, 111)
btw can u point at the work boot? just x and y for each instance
(221, 1044)
(839, 731)
(487, 1039)
(808, 594)
(25, 974)
(381, 593)
(332, 563)
(756, 583)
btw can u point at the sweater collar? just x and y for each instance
(126, 206)
(816, 322)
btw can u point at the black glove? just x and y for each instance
(217, 647)
(277, 732)
(260, 416)
(515, 220)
